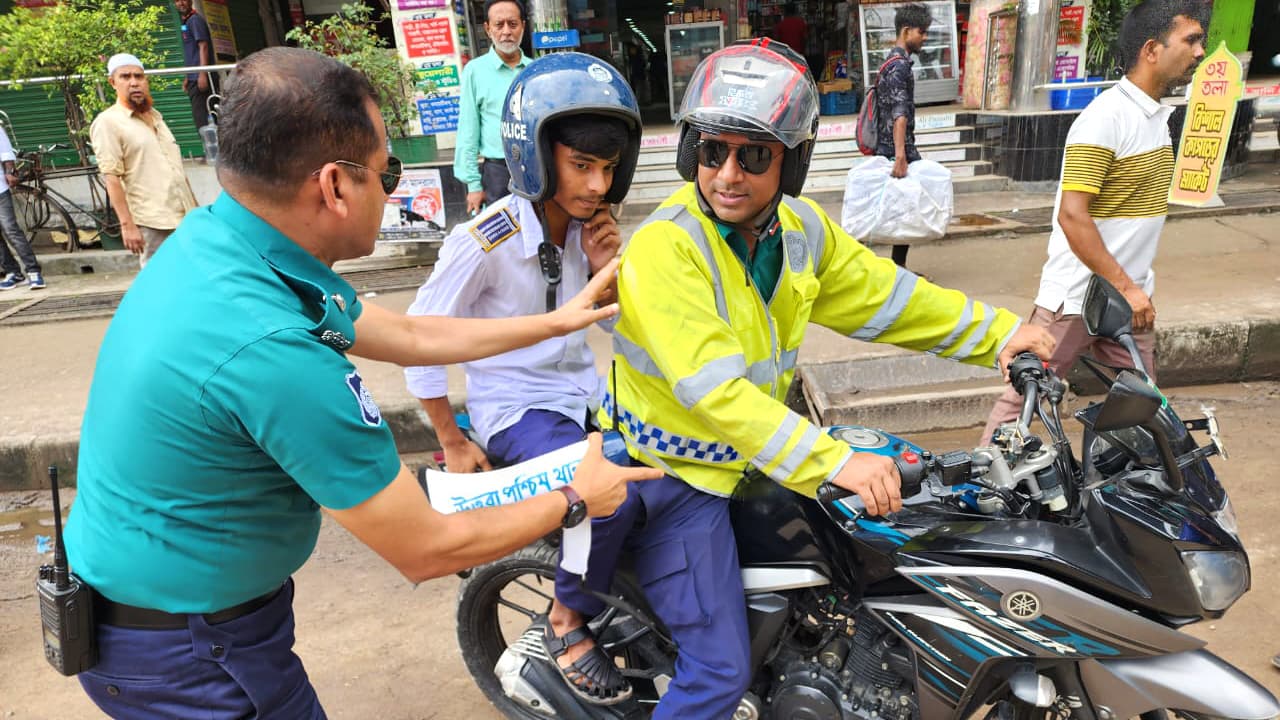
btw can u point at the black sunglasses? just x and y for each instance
(754, 159)
(390, 178)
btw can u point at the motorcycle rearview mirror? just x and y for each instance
(1106, 313)
(1131, 402)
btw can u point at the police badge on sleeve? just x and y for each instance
(369, 411)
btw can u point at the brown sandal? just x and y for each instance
(593, 677)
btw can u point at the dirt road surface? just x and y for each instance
(376, 647)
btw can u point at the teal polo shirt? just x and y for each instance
(766, 265)
(222, 415)
(485, 81)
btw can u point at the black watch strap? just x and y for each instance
(577, 510)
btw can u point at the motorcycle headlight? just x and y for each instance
(1220, 577)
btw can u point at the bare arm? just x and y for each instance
(202, 80)
(400, 525)
(900, 147)
(460, 454)
(435, 340)
(1087, 245)
(129, 232)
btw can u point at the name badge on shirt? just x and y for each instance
(493, 230)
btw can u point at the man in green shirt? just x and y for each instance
(224, 413)
(478, 160)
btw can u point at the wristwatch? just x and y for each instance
(577, 511)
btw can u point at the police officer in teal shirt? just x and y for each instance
(224, 413)
(478, 160)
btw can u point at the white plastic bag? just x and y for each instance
(879, 208)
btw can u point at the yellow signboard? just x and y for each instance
(224, 38)
(1210, 111)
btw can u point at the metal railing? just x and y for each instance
(103, 77)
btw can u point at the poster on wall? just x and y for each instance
(427, 39)
(1073, 38)
(415, 211)
(1211, 110)
(219, 19)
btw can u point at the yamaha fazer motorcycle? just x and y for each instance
(1015, 578)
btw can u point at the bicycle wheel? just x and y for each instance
(43, 220)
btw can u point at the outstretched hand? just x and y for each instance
(603, 485)
(580, 311)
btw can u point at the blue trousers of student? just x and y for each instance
(241, 668)
(686, 560)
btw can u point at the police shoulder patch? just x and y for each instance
(491, 231)
(369, 412)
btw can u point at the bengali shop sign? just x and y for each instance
(421, 4)
(1216, 87)
(442, 73)
(428, 37)
(219, 19)
(438, 114)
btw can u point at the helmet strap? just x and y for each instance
(548, 257)
(759, 224)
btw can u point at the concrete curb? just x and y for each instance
(1189, 354)
(937, 398)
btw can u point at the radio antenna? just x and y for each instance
(60, 570)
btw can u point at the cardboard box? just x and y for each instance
(838, 85)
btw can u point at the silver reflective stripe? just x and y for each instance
(773, 448)
(662, 214)
(788, 360)
(904, 283)
(692, 389)
(761, 372)
(636, 356)
(814, 232)
(966, 317)
(798, 454)
(978, 334)
(1005, 341)
(690, 225)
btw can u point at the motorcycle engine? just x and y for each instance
(858, 678)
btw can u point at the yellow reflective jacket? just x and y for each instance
(702, 365)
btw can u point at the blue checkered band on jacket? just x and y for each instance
(669, 443)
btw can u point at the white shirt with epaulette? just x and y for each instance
(1118, 150)
(488, 268)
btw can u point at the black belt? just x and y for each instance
(502, 161)
(108, 612)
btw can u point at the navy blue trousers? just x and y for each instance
(245, 668)
(686, 560)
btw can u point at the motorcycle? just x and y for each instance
(1015, 578)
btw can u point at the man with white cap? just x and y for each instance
(139, 161)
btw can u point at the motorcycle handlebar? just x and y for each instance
(911, 468)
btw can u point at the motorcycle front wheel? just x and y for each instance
(497, 602)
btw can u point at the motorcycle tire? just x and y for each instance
(481, 638)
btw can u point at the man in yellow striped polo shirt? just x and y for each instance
(1113, 197)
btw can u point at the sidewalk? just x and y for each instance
(1218, 301)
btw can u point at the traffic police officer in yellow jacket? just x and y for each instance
(716, 289)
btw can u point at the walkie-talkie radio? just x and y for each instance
(66, 605)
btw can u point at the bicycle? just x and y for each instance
(48, 215)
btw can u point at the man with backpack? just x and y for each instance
(895, 105)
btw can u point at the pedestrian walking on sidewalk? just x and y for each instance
(1113, 195)
(13, 234)
(140, 162)
(895, 99)
(225, 413)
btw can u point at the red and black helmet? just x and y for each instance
(758, 88)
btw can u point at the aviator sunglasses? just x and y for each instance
(390, 178)
(754, 159)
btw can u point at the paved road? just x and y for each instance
(378, 648)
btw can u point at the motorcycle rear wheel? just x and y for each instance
(496, 604)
